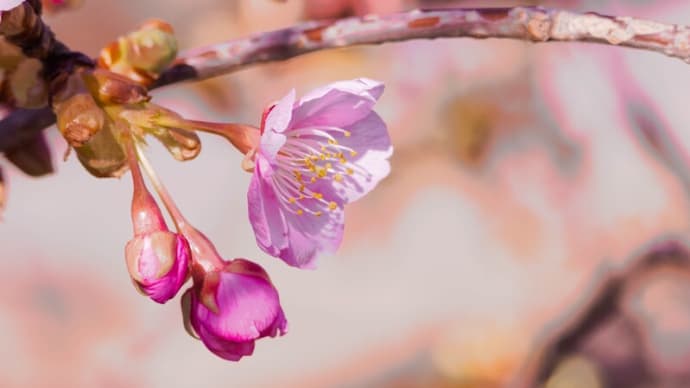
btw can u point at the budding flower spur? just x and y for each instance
(157, 259)
(231, 303)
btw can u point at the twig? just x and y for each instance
(533, 24)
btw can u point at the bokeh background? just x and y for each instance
(532, 231)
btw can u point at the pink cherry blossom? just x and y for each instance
(315, 155)
(234, 306)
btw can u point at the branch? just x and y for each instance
(532, 24)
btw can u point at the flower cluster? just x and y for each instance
(309, 158)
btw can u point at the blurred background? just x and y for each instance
(533, 231)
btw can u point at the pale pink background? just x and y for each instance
(460, 261)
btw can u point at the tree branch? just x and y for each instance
(533, 24)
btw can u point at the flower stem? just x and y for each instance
(243, 137)
(204, 253)
(168, 202)
(146, 215)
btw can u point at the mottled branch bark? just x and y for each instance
(532, 24)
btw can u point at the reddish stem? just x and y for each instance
(205, 257)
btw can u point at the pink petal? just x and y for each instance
(338, 104)
(373, 146)
(280, 115)
(277, 121)
(149, 255)
(265, 214)
(229, 350)
(248, 305)
(309, 235)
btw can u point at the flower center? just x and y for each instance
(308, 156)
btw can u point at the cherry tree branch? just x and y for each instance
(534, 24)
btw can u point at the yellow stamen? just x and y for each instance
(332, 205)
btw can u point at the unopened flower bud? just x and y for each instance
(232, 307)
(182, 144)
(79, 118)
(164, 125)
(158, 263)
(85, 127)
(142, 54)
(157, 259)
(102, 155)
(113, 88)
(152, 47)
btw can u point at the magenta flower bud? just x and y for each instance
(157, 259)
(232, 307)
(158, 263)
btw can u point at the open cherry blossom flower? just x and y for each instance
(315, 155)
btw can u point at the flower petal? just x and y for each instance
(309, 235)
(265, 215)
(277, 120)
(338, 104)
(248, 306)
(372, 145)
(229, 350)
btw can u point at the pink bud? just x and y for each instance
(232, 307)
(158, 263)
(157, 259)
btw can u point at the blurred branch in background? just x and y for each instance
(622, 337)
(534, 24)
